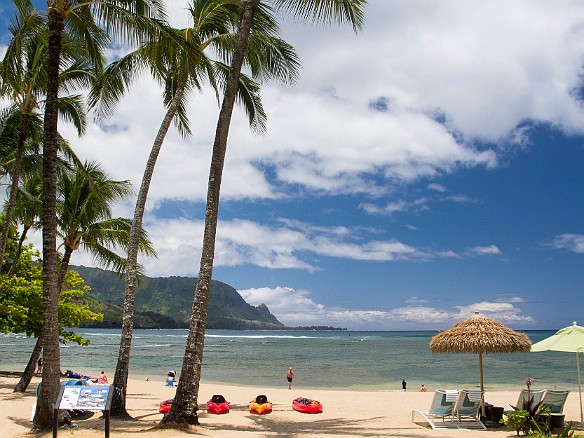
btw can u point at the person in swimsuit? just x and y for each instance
(102, 379)
(289, 377)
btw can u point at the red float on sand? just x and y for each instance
(307, 405)
(218, 405)
(165, 406)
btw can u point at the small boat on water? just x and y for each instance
(165, 406)
(217, 405)
(260, 405)
(307, 405)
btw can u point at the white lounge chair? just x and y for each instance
(466, 409)
(441, 408)
(555, 400)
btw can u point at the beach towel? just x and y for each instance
(451, 395)
(474, 395)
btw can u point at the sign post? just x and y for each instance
(86, 398)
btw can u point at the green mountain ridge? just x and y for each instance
(166, 302)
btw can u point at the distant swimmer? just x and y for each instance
(289, 377)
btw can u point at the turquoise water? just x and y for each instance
(357, 360)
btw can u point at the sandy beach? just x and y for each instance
(346, 413)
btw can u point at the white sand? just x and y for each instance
(346, 413)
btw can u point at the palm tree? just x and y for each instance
(181, 68)
(23, 74)
(184, 407)
(85, 218)
(128, 19)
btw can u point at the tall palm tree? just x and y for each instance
(181, 68)
(184, 407)
(128, 19)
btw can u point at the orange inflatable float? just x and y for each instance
(260, 405)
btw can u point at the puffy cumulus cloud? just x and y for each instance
(296, 308)
(344, 147)
(503, 312)
(570, 242)
(486, 67)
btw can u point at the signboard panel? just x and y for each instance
(88, 398)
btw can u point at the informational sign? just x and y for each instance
(88, 398)
(84, 398)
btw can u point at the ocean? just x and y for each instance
(343, 360)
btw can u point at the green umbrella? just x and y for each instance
(571, 340)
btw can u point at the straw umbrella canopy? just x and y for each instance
(479, 334)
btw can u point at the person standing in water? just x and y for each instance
(404, 384)
(289, 377)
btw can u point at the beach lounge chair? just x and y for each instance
(524, 396)
(532, 394)
(466, 409)
(441, 408)
(555, 400)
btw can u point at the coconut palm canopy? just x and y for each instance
(479, 334)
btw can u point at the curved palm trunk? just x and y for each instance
(43, 419)
(19, 249)
(118, 407)
(64, 267)
(14, 186)
(184, 407)
(30, 367)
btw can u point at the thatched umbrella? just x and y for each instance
(479, 334)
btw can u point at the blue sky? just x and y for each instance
(424, 168)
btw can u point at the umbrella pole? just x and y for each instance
(482, 384)
(579, 386)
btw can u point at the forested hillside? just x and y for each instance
(166, 303)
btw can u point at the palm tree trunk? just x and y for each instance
(19, 248)
(13, 186)
(30, 367)
(64, 267)
(43, 419)
(184, 407)
(118, 407)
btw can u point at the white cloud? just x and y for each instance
(570, 242)
(484, 250)
(504, 313)
(295, 308)
(285, 244)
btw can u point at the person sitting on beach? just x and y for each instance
(170, 378)
(102, 379)
(423, 388)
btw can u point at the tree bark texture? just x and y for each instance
(118, 407)
(184, 407)
(43, 418)
(30, 367)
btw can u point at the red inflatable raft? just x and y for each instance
(165, 406)
(307, 405)
(218, 405)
